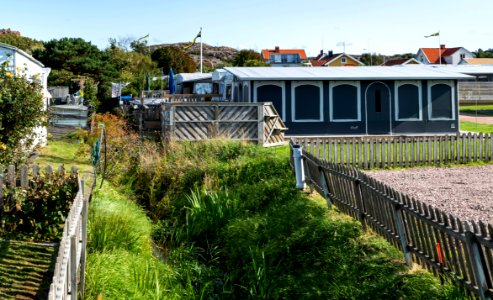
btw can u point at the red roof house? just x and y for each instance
(442, 55)
(284, 57)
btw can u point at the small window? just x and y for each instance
(378, 101)
(343, 60)
(462, 55)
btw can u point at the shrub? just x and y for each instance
(21, 110)
(39, 212)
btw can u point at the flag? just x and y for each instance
(433, 34)
(116, 89)
(193, 42)
(144, 37)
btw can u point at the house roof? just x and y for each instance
(433, 54)
(408, 72)
(10, 47)
(479, 61)
(465, 69)
(400, 61)
(267, 52)
(328, 59)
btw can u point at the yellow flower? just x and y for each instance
(10, 75)
(3, 146)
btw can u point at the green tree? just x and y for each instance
(248, 58)
(76, 58)
(21, 110)
(24, 43)
(173, 57)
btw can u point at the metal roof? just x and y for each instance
(466, 69)
(7, 46)
(187, 77)
(407, 72)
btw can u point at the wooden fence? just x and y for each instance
(71, 260)
(438, 241)
(400, 151)
(258, 122)
(475, 92)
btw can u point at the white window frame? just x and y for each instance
(332, 85)
(343, 60)
(416, 83)
(246, 85)
(296, 84)
(432, 83)
(280, 84)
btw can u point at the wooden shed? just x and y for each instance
(355, 101)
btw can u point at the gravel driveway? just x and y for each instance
(465, 192)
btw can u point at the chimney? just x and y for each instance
(442, 46)
(330, 53)
(276, 49)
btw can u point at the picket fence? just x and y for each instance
(400, 151)
(440, 242)
(68, 278)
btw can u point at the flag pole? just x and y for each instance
(200, 49)
(439, 49)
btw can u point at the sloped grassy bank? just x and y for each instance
(230, 224)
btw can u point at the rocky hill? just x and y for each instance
(213, 57)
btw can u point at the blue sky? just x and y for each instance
(383, 26)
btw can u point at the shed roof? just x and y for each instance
(408, 72)
(465, 69)
(187, 77)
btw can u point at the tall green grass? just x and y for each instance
(232, 226)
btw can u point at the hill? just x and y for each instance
(213, 56)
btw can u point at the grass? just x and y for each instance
(476, 127)
(26, 269)
(233, 227)
(479, 109)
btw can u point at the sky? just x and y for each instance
(377, 26)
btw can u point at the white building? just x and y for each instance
(22, 63)
(443, 55)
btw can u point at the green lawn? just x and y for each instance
(476, 127)
(480, 109)
(65, 152)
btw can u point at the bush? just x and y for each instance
(39, 212)
(21, 110)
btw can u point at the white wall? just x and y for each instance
(22, 64)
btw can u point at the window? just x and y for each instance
(343, 60)
(345, 101)
(306, 101)
(378, 101)
(441, 100)
(462, 55)
(271, 91)
(408, 101)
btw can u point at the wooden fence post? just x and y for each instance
(399, 224)
(24, 178)
(360, 202)
(325, 188)
(477, 261)
(261, 124)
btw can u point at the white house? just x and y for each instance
(442, 55)
(22, 63)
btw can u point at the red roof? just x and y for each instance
(267, 52)
(318, 62)
(433, 54)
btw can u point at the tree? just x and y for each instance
(173, 57)
(24, 43)
(72, 58)
(21, 110)
(248, 58)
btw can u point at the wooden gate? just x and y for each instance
(195, 121)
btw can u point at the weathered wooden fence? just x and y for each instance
(258, 122)
(475, 92)
(400, 151)
(71, 261)
(438, 241)
(69, 274)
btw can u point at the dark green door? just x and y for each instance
(378, 108)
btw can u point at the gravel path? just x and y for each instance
(465, 192)
(476, 118)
